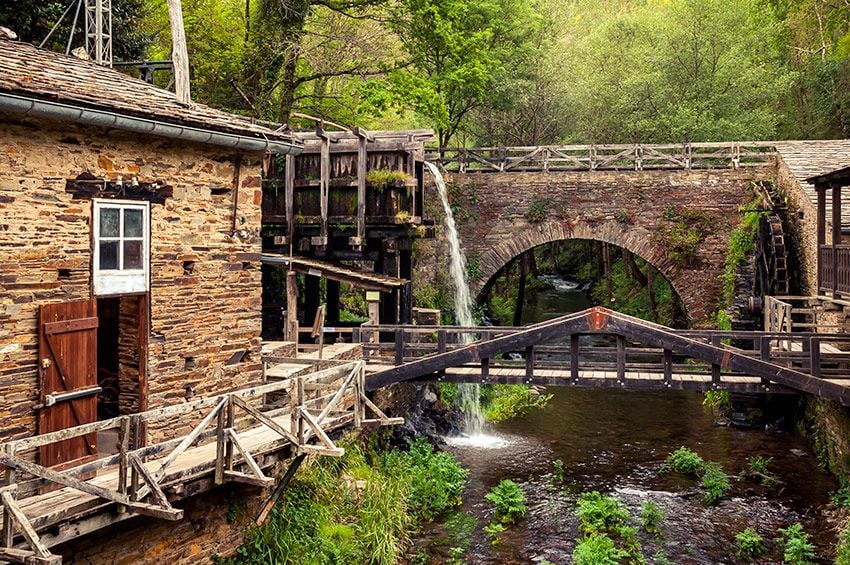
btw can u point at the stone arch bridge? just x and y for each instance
(642, 198)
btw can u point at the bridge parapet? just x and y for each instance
(637, 157)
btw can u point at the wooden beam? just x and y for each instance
(11, 507)
(179, 53)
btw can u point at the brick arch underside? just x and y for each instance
(638, 241)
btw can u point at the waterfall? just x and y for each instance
(468, 395)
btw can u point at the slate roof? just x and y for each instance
(28, 71)
(806, 159)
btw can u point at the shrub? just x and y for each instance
(600, 514)
(714, 483)
(502, 402)
(683, 460)
(748, 544)
(797, 548)
(537, 210)
(719, 400)
(509, 500)
(597, 549)
(651, 517)
(682, 244)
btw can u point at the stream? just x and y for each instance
(616, 442)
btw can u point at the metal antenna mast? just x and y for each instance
(99, 31)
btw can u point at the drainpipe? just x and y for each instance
(106, 119)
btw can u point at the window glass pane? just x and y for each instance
(109, 222)
(132, 255)
(108, 255)
(132, 223)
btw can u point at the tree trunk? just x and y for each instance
(179, 52)
(606, 255)
(650, 288)
(634, 271)
(520, 295)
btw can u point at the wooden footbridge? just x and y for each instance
(602, 348)
(233, 437)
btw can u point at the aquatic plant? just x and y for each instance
(758, 468)
(797, 548)
(509, 500)
(493, 530)
(718, 400)
(558, 471)
(686, 461)
(600, 514)
(714, 483)
(748, 544)
(651, 517)
(597, 549)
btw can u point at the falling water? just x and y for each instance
(468, 395)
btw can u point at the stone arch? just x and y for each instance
(638, 241)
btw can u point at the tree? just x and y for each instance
(459, 51)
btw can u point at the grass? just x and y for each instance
(384, 178)
(360, 508)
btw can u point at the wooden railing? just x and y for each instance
(636, 157)
(134, 477)
(834, 269)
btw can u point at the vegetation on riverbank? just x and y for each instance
(360, 508)
(500, 402)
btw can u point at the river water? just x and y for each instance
(615, 442)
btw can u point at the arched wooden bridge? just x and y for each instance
(601, 348)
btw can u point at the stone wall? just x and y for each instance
(205, 293)
(631, 209)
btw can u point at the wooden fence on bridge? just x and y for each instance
(601, 348)
(638, 157)
(233, 437)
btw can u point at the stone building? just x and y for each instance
(129, 249)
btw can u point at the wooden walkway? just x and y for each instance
(233, 437)
(602, 348)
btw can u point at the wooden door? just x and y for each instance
(67, 363)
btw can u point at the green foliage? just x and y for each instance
(493, 530)
(748, 544)
(360, 508)
(758, 464)
(509, 500)
(684, 460)
(651, 517)
(714, 483)
(842, 549)
(682, 243)
(717, 400)
(385, 178)
(436, 479)
(841, 497)
(473, 268)
(537, 210)
(558, 470)
(503, 402)
(600, 514)
(502, 308)
(448, 393)
(741, 244)
(797, 548)
(597, 549)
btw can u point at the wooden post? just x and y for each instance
(324, 188)
(399, 346)
(123, 442)
(291, 329)
(764, 354)
(836, 236)
(715, 368)
(362, 160)
(821, 227)
(359, 391)
(220, 441)
(228, 446)
(621, 359)
(289, 198)
(814, 356)
(529, 362)
(485, 368)
(574, 351)
(8, 524)
(668, 367)
(441, 341)
(179, 52)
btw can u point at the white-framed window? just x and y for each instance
(121, 246)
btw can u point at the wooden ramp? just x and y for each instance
(599, 347)
(233, 437)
